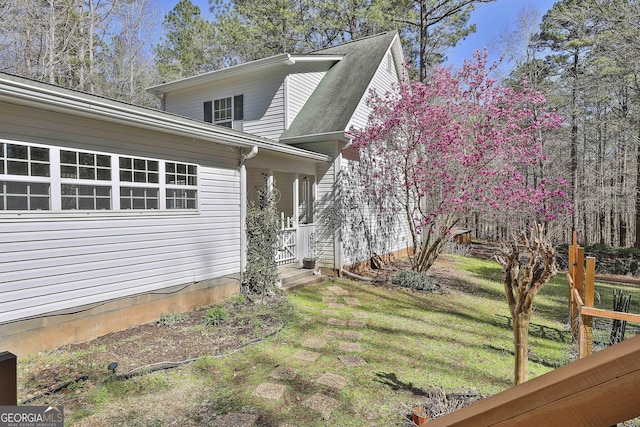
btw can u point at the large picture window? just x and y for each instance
(91, 181)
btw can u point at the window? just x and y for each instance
(24, 177)
(23, 196)
(140, 173)
(181, 174)
(178, 178)
(81, 165)
(85, 166)
(85, 197)
(138, 198)
(181, 199)
(139, 170)
(225, 111)
(34, 177)
(222, 109)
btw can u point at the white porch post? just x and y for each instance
(337, 245)
(296, 225)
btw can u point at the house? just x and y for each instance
(111, 214)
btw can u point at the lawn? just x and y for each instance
(454, 340)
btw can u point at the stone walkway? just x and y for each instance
(337, 301)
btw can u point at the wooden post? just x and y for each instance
(578, 284)
(573, 313)
(8, 379)
(579, 277)
(589, 299)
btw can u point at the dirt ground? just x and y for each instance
(170, 340)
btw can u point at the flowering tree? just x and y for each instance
(455, 145)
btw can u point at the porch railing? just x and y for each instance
(287, 247)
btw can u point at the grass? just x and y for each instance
(454, 340)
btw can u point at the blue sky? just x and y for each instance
(490, 20)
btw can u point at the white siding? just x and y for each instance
(326, 215)
(301, 83)
(361, 233)
(263, 101)
(61, 260)
(383, 81)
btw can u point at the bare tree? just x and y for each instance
(523, 277)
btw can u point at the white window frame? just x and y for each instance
(146, 184)
(191, 183)
(94, 182)
(191, 172)
(227, 122)
(24, 179)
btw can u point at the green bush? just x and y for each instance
(237, 300)
(414, 280)
(263, 231)
(169, 319)
(216, 316)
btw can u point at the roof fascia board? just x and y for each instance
(315, 58)
(242, 70)
(318, 137)
(233, 71)
(87, 106)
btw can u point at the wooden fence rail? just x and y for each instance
(600, 390)
(581, 278)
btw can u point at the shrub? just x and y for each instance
(263, 231)
(414, 280)
(216, 316)
(237, 300)
(169, 319)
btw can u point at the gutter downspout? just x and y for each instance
(243, 207)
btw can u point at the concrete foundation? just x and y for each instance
(85, 323)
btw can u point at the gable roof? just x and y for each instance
(337, 96)
(45, 96)
(247, 68)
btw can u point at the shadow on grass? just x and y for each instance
(392, 380)
(532, 357)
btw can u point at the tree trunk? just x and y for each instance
(637, 239)
(521, 343)
(423, 40)
(574, 141)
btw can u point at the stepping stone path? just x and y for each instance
(283, 373)
(314, 342)
(338, 305)
(237, 419)
(269, 391)
(333, 380)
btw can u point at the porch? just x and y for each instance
(295, 198)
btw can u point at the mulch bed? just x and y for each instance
(153, 344)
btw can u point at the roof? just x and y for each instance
(32, 93)
(344, 85)
(257, 66)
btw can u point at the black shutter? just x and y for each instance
(208, 112)
(238, 107)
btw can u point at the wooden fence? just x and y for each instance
(600, 390)
(581, 278)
